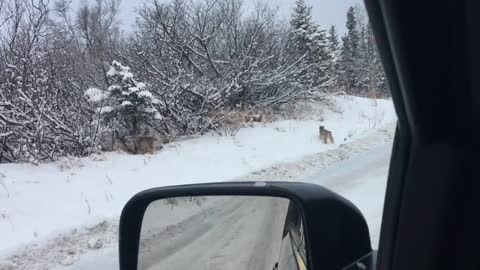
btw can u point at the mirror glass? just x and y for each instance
(222, 232)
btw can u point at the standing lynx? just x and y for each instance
(326, 135)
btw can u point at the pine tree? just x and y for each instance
(302, 26)
(126, 105)
(376, 75)
(309, 42)
(359, 67)
(363, 65)
(349, 60)
(334, 50)
(333, 43)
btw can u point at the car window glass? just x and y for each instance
(102, 99)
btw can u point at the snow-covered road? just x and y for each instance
(230, 233)
(361, 179)
(233, 233)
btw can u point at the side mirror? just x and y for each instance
(243, 225)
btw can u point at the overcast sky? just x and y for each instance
(325, 12)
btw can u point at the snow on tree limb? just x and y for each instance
(94, 94)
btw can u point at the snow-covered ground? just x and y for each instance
(75, 197)
(360, 178)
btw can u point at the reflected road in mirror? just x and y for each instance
(221, 232)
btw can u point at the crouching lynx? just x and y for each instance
(326, 135)
(145, 145)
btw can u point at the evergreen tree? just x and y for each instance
(350, 59)
(360, 71)
(126, 105)
(302, 26)
(363, 67)
(376, 75)
(309, 42)
(333, 43)
(333, 49)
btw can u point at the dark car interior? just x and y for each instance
(428, 51)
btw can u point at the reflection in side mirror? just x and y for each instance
(243, 225)
(222, 232)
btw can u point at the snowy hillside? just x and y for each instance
(39, 202)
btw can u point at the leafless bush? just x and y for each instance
(195, 57)
(43, 64)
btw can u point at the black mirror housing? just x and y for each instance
(336, 233)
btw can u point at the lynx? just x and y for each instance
(254, 118)
(145, 145)
(326, 135)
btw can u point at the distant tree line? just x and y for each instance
(71, 80)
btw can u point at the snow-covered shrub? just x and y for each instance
(59, 95)
(126, 105)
